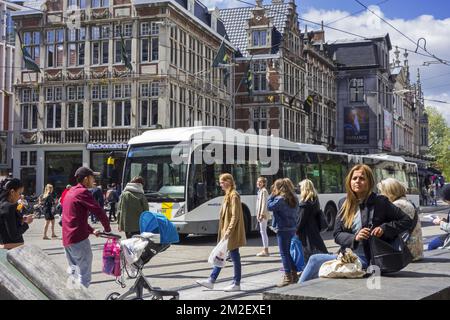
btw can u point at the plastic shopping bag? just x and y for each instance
(111, 258)
(218, 256)
(296, 251)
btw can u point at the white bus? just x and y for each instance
(188, 193)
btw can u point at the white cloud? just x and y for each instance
(435, 31)
(223, 4)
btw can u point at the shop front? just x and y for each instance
(99, 153)
(60, 167)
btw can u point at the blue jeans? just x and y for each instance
(311, 270)
(79, 256)
(284, 244)
(436, 242)
(236, 257)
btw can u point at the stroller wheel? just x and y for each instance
(113, 296)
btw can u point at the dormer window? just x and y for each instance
(259, 38)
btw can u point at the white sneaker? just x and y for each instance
(231, 288)
(206, 283)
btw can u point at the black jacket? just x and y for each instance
(390, 218)
(308, 229)
(11, 226)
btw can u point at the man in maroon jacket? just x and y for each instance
(78, 202)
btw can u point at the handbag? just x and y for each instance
(346, 265)
(111, 258)
(296, 251)
(218, 256)
(391, 256)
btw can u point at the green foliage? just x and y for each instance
(439, 140)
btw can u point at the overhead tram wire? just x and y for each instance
(417, 43)
(339, 30)
(354, 13)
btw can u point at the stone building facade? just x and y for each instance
(85, 103)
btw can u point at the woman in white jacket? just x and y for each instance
(262, 214)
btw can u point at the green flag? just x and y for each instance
(27, 59)
(222, 57)
(124, 54)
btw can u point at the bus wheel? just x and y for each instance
(330, 214)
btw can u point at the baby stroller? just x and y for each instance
(158, 233)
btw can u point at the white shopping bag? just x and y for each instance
(218, 256)
(346, 265)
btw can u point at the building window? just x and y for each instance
(174, 46)
(149, 42)
(99, 3)
(75, 93)
(100, 44)
(23, 158)
(259, 38)
(99, 114)
(29, 111)
(53, 115)
(53, 94)
(75, 46)
(122, 113)
(149, 112)
(33, 158)
(259, 119)
(356, 90)
(81, 4)
(55, 48)
(75, 115)
(31, 42)
(259, 76)
(122, 32)
(99, 92)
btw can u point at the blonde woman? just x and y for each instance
(283, 203)
(262, 214)
(231, 227)
(353, 227)
(308, 227)
(49, 202)
(395, 191)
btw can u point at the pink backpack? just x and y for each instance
(111, 258)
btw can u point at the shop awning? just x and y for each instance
(434, 170)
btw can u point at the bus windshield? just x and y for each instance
(164, 180)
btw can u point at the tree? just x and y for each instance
(439, 140)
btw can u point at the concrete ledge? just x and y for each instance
(428, 279)
(13, 285)
(47, 276)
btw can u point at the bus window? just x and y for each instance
(331, 178)
(313, 174)
(245, 176)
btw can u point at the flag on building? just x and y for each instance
(307, 105)
(124, 55)
(249, 80)
(27, 59)
(222, 57)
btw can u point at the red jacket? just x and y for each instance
(63, 195)
(78, 203)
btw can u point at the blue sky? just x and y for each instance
(405, 9)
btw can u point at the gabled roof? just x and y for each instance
(235, 21)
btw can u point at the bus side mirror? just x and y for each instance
(200, 190)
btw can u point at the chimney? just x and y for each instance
(215, 15)
(191, 6)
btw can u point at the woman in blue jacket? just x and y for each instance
(284, 205)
